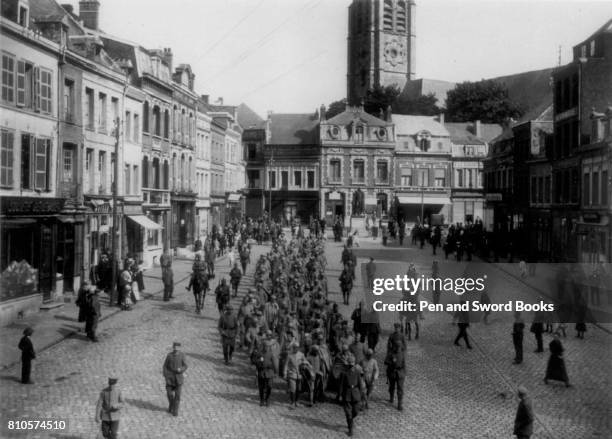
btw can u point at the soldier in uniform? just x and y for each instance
(228, 328)
(517, 337)
(396, 336)
(199, 282)
(267, 368)
(396, 364)
(371, 273)
(108, 409)
(346, 284)
(168, 281)
(222, 294)
(235, 276)
(174, 367)
(351, 385)
(370, 373)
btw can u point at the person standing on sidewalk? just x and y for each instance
(81, 300)
(108, 409)
(93, 313)
(168, 281)
(523, 422)
(27, 355)
(228, 329)
(517, 337)
(174, 368)
(537, 327)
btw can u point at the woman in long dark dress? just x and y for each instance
(555, 370)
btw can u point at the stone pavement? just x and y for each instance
(450, 392)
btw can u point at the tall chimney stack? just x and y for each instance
(477, 129)
(89, 12)
(168, 57)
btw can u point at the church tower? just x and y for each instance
(381, 45)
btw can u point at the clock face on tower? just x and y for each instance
(394, 52)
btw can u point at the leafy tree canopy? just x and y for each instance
(335, 108)
(485, 100)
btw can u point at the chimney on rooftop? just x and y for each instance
(89, 11)
(68, 8)
(167, 57)
(205, 99)
(441, 118)
(477, 129)
(322, 112)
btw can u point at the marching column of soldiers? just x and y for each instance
(289, 328)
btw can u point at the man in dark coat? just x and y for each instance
(228, 329)
(463, 322)
(523, 423)
(396, 336)
(199, 282)
(267, 368)
(27, 355)
(245, 258)
(235, 276)
(81, 301)
(174, 367)
(396, 365)
(517, 337)
(93, 313)
(370, 273)
(346, 284)
(168, 281)
(222, 295)
(537, 327)
(351, 391)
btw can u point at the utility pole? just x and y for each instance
(115, 246)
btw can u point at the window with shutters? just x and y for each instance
(102, 112)
(26, 165)
(8, 78)
(89, 109)
(6, 159)
(46, 93)
(41, 164)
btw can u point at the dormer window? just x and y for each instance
(24, 15)
(424, 140)
(359, 133)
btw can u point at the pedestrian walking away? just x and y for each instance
(463, 322)
(108, 409)
(27, 355)
(523, 422)
(396, 365)
(174, 370)
(228, 329)
(517, 337)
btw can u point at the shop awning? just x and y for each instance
(145, 222)
(416, 199)
(233, 198)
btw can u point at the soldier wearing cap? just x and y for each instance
(396, 372)
(228, 329)
(351, 386)
(266, 362)
(108, 409)
(292, 372)
(396, 336)
(523, 423)
(174, 368)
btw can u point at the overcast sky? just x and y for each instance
(290, 55)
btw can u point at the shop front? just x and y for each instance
(335, 207)
(417, 208)
(594, 235)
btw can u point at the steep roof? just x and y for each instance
(531, 90)
(350, 114)
(465, 132)
(410, 125)
(248, 119)
(424, 86)
(294, 129)
(50, 9)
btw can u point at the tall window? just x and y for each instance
(271, 179)
(127, 184)
(440, 178)
(156, 121)
(310, 179)
(252, 151)
(335, 170)
(166, 124)
(89, 168)
(135, 188)
(534, 190)
(297, 178)
(6, 159)
(145, 117)
(41, 164)
(136, 128)
(26, 165)
(115, 110)
(145, 172)
(8, 78)
(102, 111)
(69, 100)
(358, 171)
(89, 108)
(422, 177)
(595, 188)
(604, 188)
(547, 189)
(382, 171)
(406, 177)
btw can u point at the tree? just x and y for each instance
(424, 105)
(335, 108)
(379, 98)
(486, 100)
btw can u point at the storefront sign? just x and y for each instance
(30, 206)
(591, 217)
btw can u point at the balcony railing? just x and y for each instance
(155, 196)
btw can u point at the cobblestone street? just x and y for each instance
(450, 392)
